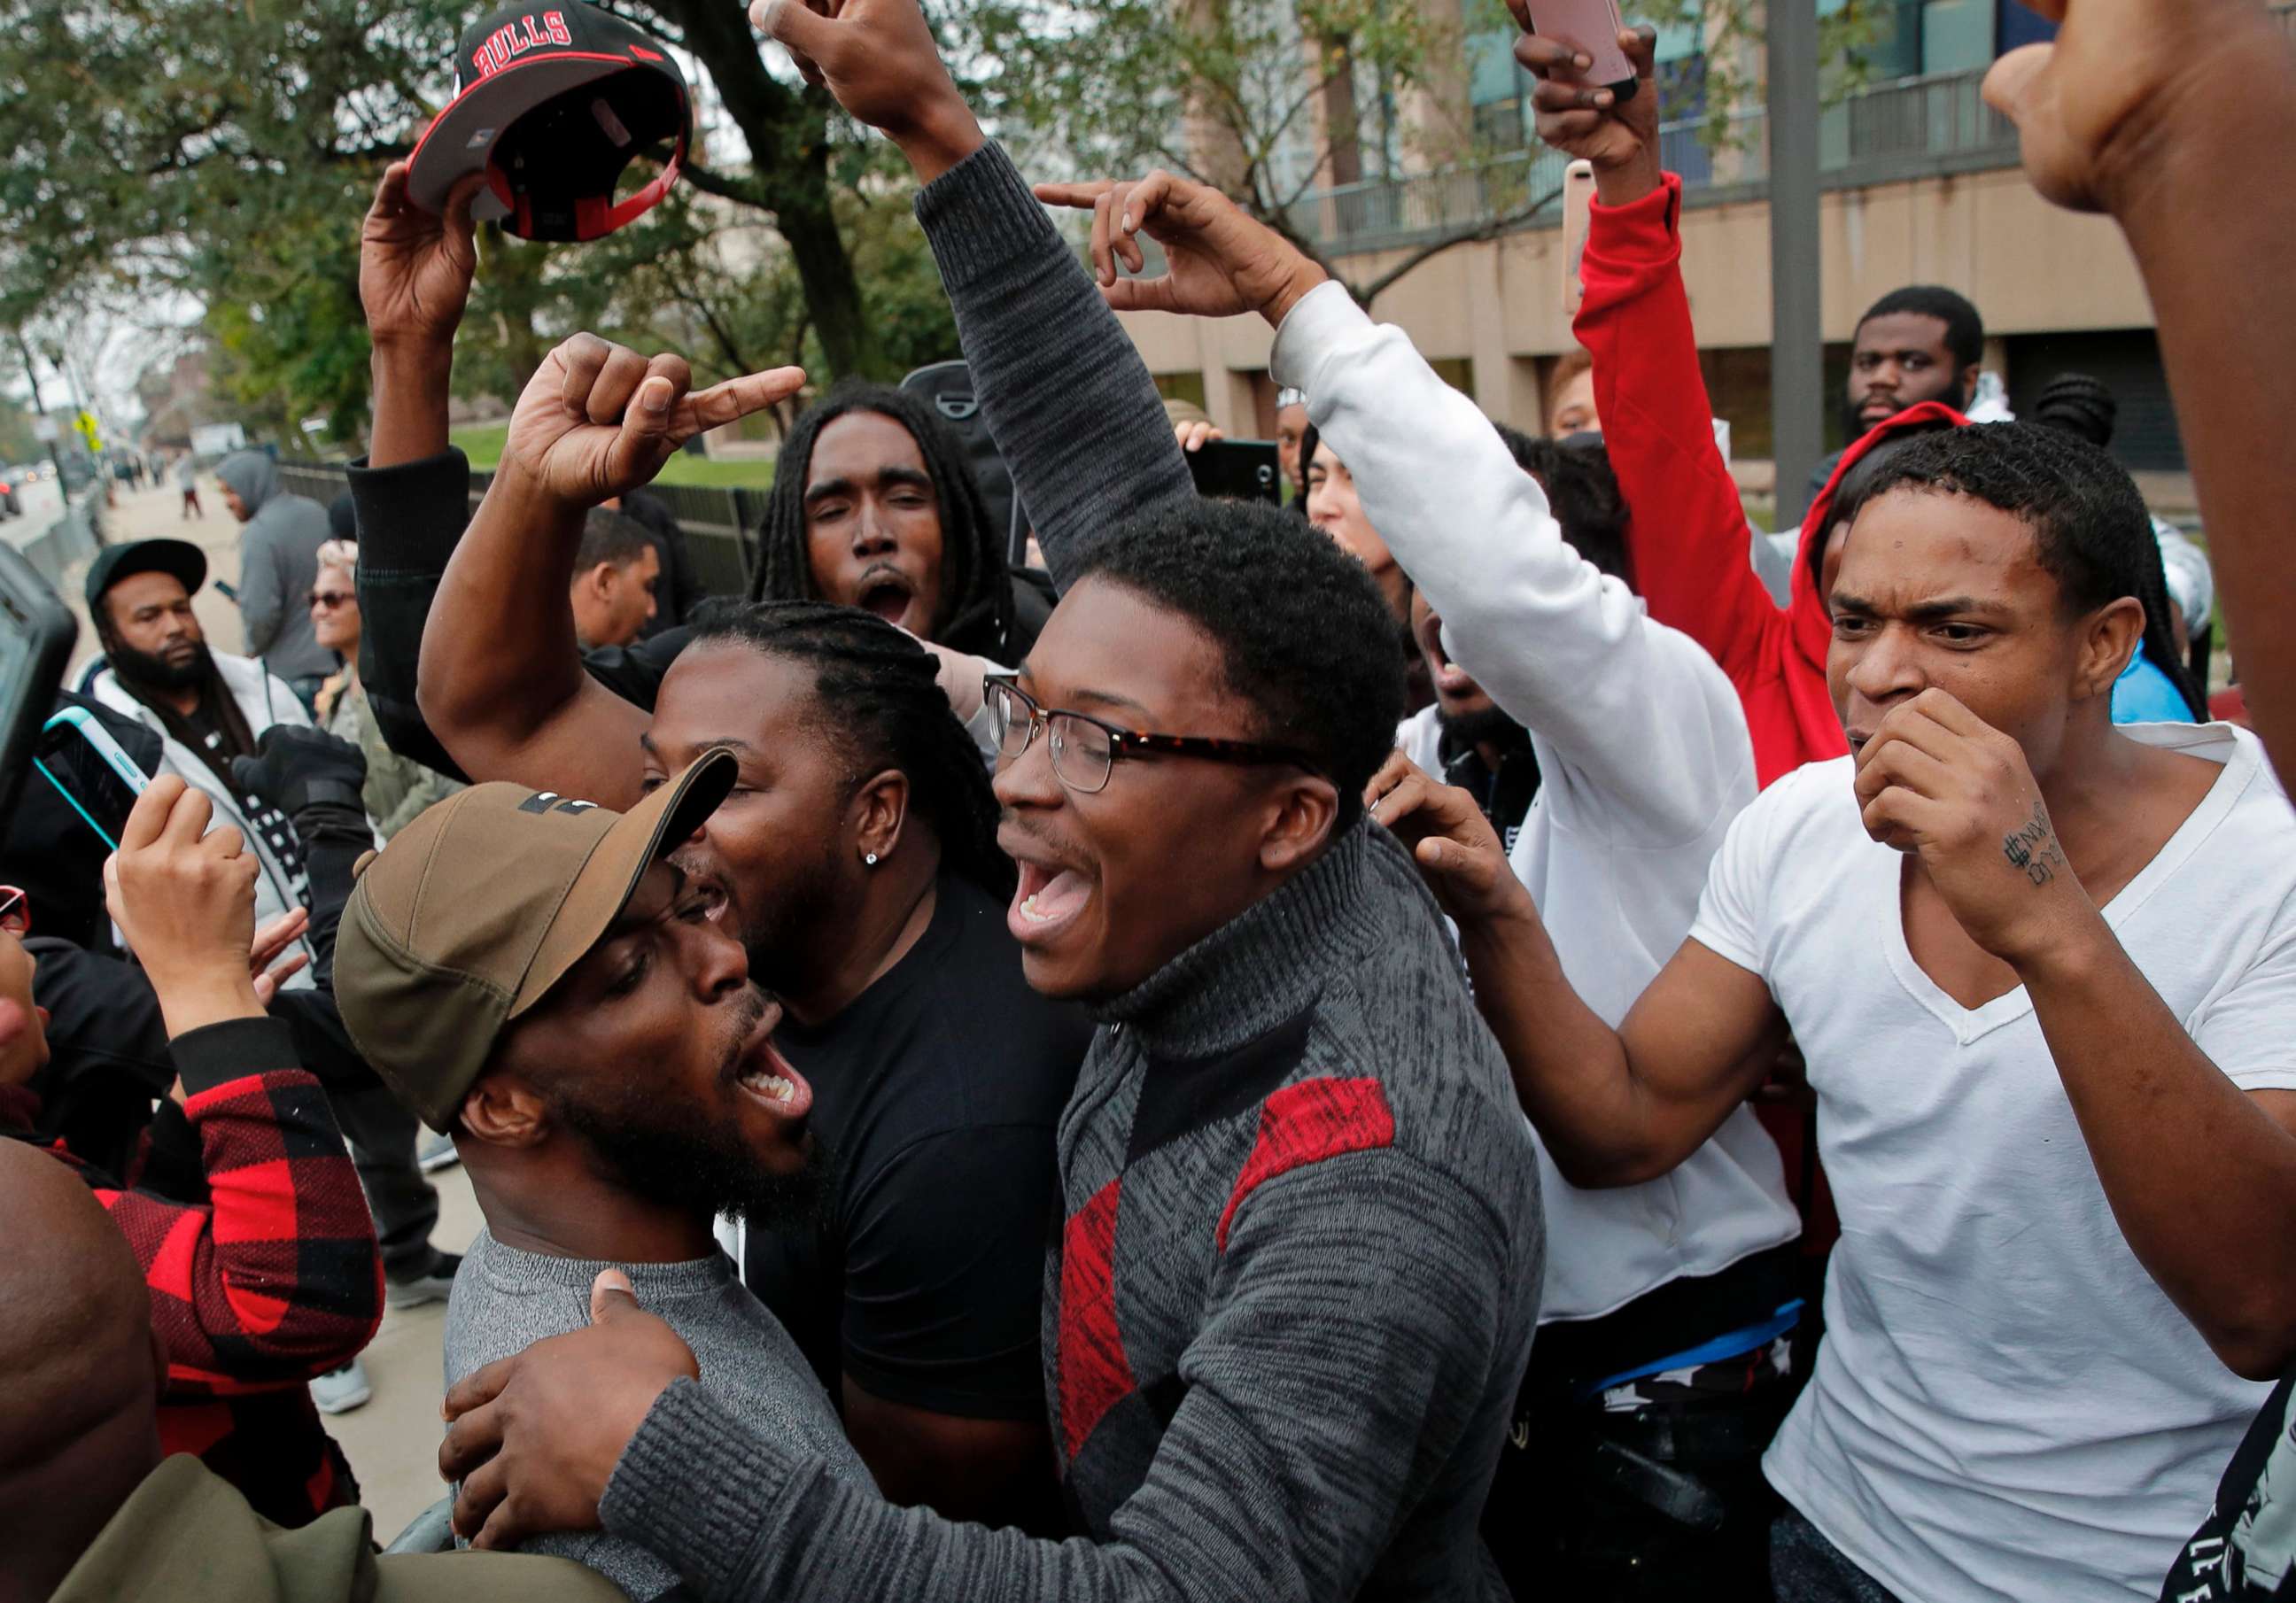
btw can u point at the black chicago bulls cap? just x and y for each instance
(552, 104)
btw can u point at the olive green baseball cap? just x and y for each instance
(476, 908)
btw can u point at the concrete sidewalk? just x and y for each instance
(393, 1442)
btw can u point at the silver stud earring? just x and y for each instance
(869, 859)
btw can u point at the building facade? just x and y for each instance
(1922, 185)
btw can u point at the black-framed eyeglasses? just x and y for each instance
(1085, 749)
(15, 911)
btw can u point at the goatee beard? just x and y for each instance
(151, 673)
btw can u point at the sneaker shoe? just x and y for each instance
(340, 1391)
(431, 1285)
(436, 1151)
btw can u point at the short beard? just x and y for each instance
(680, 1153)
(145, 671)
(1490, 727)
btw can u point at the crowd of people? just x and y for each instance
(1492, 1031)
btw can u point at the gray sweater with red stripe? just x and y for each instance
(1295, 1290)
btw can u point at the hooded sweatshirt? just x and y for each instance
(1688, 534)
(278, 564)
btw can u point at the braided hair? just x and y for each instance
(976, 598)
(880, 699)
(2090, 529)
(2079, 405)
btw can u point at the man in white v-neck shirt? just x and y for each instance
(2043, 974)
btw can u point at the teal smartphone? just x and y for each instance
(96, 778)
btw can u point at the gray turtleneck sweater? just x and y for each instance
(1293, 1298)
(1294, 1292)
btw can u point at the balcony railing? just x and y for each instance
(1887, 132)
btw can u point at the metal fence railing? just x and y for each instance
(720, 525)
(74, 537)
(1877, 136)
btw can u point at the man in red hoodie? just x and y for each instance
(1689, 535)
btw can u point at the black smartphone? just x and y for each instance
(225, 588)
(1237, 469)
(37, 633)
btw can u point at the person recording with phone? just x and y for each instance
(255, 1244)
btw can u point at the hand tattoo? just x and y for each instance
(2034, 848)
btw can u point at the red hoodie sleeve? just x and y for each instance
(1686, 529)
(276, 1278)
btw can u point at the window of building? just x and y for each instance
(1182, 387)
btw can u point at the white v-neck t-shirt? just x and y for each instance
(2005, 1404)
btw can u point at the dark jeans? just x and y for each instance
(1662, 1499)
(1805, 1568)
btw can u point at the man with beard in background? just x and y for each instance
(206, 707)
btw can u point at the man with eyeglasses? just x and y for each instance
(1299, 1264)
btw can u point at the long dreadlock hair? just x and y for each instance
(976, 597)
(2090, 529)
(880, 699)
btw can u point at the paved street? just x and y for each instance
(393, 1442)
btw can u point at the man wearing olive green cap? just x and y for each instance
(531, 974)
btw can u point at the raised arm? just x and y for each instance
(502, 679)
(1071, 407)
(411, 493)
(1633, 712)
(1267, 1483)
(1687, 533)
(2176, 144)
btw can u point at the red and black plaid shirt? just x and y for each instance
(271, 1278)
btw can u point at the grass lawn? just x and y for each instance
(483, 445)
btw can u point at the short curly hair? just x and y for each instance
(2091, 531)
(1305, 637)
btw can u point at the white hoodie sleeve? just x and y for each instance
(1646, 725)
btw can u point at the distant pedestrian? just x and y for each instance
(187, 479)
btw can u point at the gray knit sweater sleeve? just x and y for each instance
(1067, 400)
(1306, 1429)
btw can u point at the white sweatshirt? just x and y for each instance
(1642, 750)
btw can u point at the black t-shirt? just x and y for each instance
(2246, 1550)
(937, 1092)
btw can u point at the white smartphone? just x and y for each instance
(1578, 215)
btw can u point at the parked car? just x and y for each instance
(10, 505)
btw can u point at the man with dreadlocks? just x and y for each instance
(856, 859)
(874, 506)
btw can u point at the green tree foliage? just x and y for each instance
(192, 152)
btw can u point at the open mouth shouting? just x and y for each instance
(765, 1077)
(1049, 899)
(888, 593)
(1451, 681)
